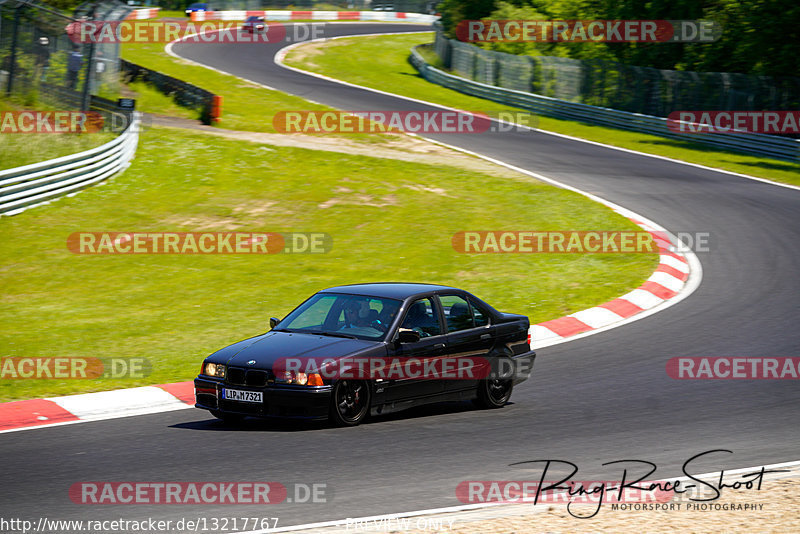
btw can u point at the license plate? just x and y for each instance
(242, 396)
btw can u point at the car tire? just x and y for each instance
(494, 392)
(350, 402)
(227, 418)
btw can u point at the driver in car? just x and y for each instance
(357, 314)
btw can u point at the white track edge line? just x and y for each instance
(280, 56)
(110, 415)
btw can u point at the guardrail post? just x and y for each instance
(14, 44)
(89, 67)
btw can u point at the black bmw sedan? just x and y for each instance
(355, 350)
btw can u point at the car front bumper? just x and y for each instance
(298, 402)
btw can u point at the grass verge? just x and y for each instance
(151, 100)
(389, 220)
(390, 70)
(246, 106)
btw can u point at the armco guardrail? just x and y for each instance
(185, 93)
(763, 145)
(24, 187)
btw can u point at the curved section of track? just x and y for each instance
(593, 400)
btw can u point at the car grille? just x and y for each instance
(247, 377)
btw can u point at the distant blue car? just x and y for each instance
(254, 24)
(197, 6)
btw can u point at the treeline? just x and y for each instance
(758, 36)
(67, 6)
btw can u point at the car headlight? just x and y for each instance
(286, 377)
(301, 379)
(214, 369)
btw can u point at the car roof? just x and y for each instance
(394, 290)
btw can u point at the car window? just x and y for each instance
(314, 315)
(345, 315)
(421, 317)
(481, 318)
(371, 309)
(457, 313)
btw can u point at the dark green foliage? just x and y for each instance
(759, 36)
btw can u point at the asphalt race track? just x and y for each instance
(597, 399)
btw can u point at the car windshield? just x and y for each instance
(342, 315)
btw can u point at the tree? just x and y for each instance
(66, 6)
(758, 36)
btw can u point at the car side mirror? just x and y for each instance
(273, 322)
(408, 336)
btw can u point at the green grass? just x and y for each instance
(245, 107)
(389, 220)
(21, 149)
(151, 100)
(390, 70)
(171, 14)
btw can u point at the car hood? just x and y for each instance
(272, 346)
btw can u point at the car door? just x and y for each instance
(423, 317)
(470, 335)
